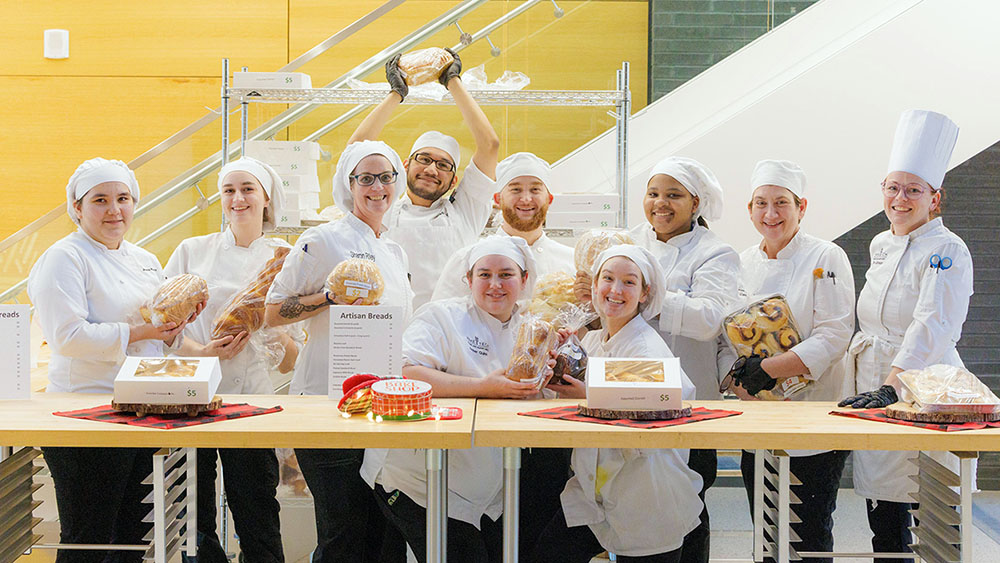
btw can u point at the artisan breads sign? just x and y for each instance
(15, 355)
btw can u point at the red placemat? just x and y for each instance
(570, 413)
(879, 415)
(167, 421)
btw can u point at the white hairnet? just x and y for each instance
(269, 181)
(698, 180)
(652, 274)
(522, 164)
(515, 248)
(781, 173)
(352, 155)
(438, 140)
(98, 171)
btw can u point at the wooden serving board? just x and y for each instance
(904, 411)
(615, 414)
(142, 409)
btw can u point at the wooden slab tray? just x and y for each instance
(142, 409)
(615, 414)
(903, 411)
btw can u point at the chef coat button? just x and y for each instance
(237, 380)
(591, 477)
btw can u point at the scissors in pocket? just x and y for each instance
(940, 263)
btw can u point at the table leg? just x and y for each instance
(437, 505)
(191, 496)
(758, 505)
(511, 502)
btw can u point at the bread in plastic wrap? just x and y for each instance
(553, 292)
(766, 328)
(944, 388)
(244, 312)
(356, 278)
(424, 65)
(593, 243)
(175, 300)
(535, 337)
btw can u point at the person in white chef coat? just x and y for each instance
(251, 197)
(427, 224)
(636, 503)
(816, 280)
(461, 346)
(910, 311)
(87, 289)
(369, 174)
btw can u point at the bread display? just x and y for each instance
(553, 292)
(535, 337)
(176, 300)
(593, 243)
(424, 65)
(244, 312)
(766, 328)
(356, 278)
(944, 388)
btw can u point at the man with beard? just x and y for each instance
(426, 224)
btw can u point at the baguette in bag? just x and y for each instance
(244, 312)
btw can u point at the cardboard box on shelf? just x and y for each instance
(289, 218)
(288, 152)
(297, 80)
(584, 203)
(634, 383)
(300, 183)
(581, 221)
(167, 381)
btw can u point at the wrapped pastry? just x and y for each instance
(535, 338)
(766, 328)
(244, 312)
(176, 300)
(424, 65)
(593, 243)
(356, 278)
(572, 358)
(553, 293)
(944, 388)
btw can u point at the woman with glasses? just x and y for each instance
(815, 278)
(365, 184)
(910, 311)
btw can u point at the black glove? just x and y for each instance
(395, 77)
(881, 397)
(752, 377)
(452, 70)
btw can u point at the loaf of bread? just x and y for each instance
(176, 300)
(244, 312)
(356, 278)
(593, 243)
(535, 338)
(424, 65)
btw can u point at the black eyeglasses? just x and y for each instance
(426, 160)
(727, 381)
(366, 179)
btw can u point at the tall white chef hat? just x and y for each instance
(98, 171)
(652, 274)
(269, 180)
(783, 173)
(523, 164)
(515, 248)
(697, 179)
(923, 145)
(438, 140)
(350, 158)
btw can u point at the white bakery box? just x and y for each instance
(634, 383)
(283, 152)
(584, 203)
(582, 220)
(295, 80)
(167, 381)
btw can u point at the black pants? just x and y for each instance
(349, 525)
(250, 477)
(820, 478)
(579, 545)
(99, 494)
(465, 542)
(544, 472)
(697, 542)
(890, 525)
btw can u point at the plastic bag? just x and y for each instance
(944, 388)
(291, 481)
(535, 337)
(553, 292)
(593, 243)
(356, 278)
(572, 358)
(424, 65)
(244, 311)
(766, 328)
(175, 300)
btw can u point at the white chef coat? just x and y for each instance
(227, 268)
(648, 498)
(429, 235)
(316, 254)
(454, 336)
(550, 256)
(702, 273)
(85, 297)
(910, 316)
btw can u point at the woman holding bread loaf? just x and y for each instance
(637, 503)
(910, 311)
(87, 290)
(814, 276)
(368, 178)
(251, 197)
(461, 346)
